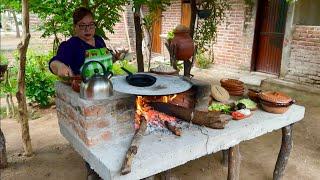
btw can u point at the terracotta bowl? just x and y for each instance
(231, 83)
(254, 94)
(272, 104)
(275, 110)
(236, 93)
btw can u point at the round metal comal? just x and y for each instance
(164, 85)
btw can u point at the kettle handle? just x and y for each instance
(85, 79)
(108, 74)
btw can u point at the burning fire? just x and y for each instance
(153, 117)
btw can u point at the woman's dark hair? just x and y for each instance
(80, 13)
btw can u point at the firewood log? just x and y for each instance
(175, 130)
(133, 149)
(209, 119)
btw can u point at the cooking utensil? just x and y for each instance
(98, 86)
(140, 80)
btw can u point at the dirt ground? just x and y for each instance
(55, 159)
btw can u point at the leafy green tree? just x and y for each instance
(14, 7)
(56, 16)
(153, 6)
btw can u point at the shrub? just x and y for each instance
(39, 80)
(203, 61)
(11, 86)
(3, 59)
(170, 35)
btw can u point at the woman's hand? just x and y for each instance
(60, 69)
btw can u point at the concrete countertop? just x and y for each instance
(158, 153)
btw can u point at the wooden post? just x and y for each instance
(224, 160)
(166, 175)
(234, 163)
(91, 174)
(284, 153)
(149, 178)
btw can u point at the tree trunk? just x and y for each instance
(8, 107)
(138, 29)
(127, 30)
(21, 97)
(193, 17)
(16, 24)
(12, 105)
(148, 42)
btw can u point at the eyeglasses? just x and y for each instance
(87, 26)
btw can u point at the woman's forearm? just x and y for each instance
(60, 69)
(54, 66)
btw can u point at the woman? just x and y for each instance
(71, 53)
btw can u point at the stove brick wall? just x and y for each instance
(304, 60)
(95, 121)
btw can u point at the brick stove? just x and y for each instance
(114, 120)
(95, 121)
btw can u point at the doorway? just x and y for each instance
(185, 13)
(156, 31)
(269, 35)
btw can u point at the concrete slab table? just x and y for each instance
(158, 153)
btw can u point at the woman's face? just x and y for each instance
(85, 28)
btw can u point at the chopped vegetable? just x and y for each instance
(241, 114)
(220, 107)
(248, 103)
(237, 115)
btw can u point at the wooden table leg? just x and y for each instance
(224, 160)
(166, 175)
(150, 178)
(284, 153)
(91, 174)
(234, 163)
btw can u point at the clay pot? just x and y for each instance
(182, 45)
(275, 102)
(276, 97)
(253, 94)
(275, 110)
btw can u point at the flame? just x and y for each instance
(174, 96)
(165, 99)
(139, 102)
(151, 115)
